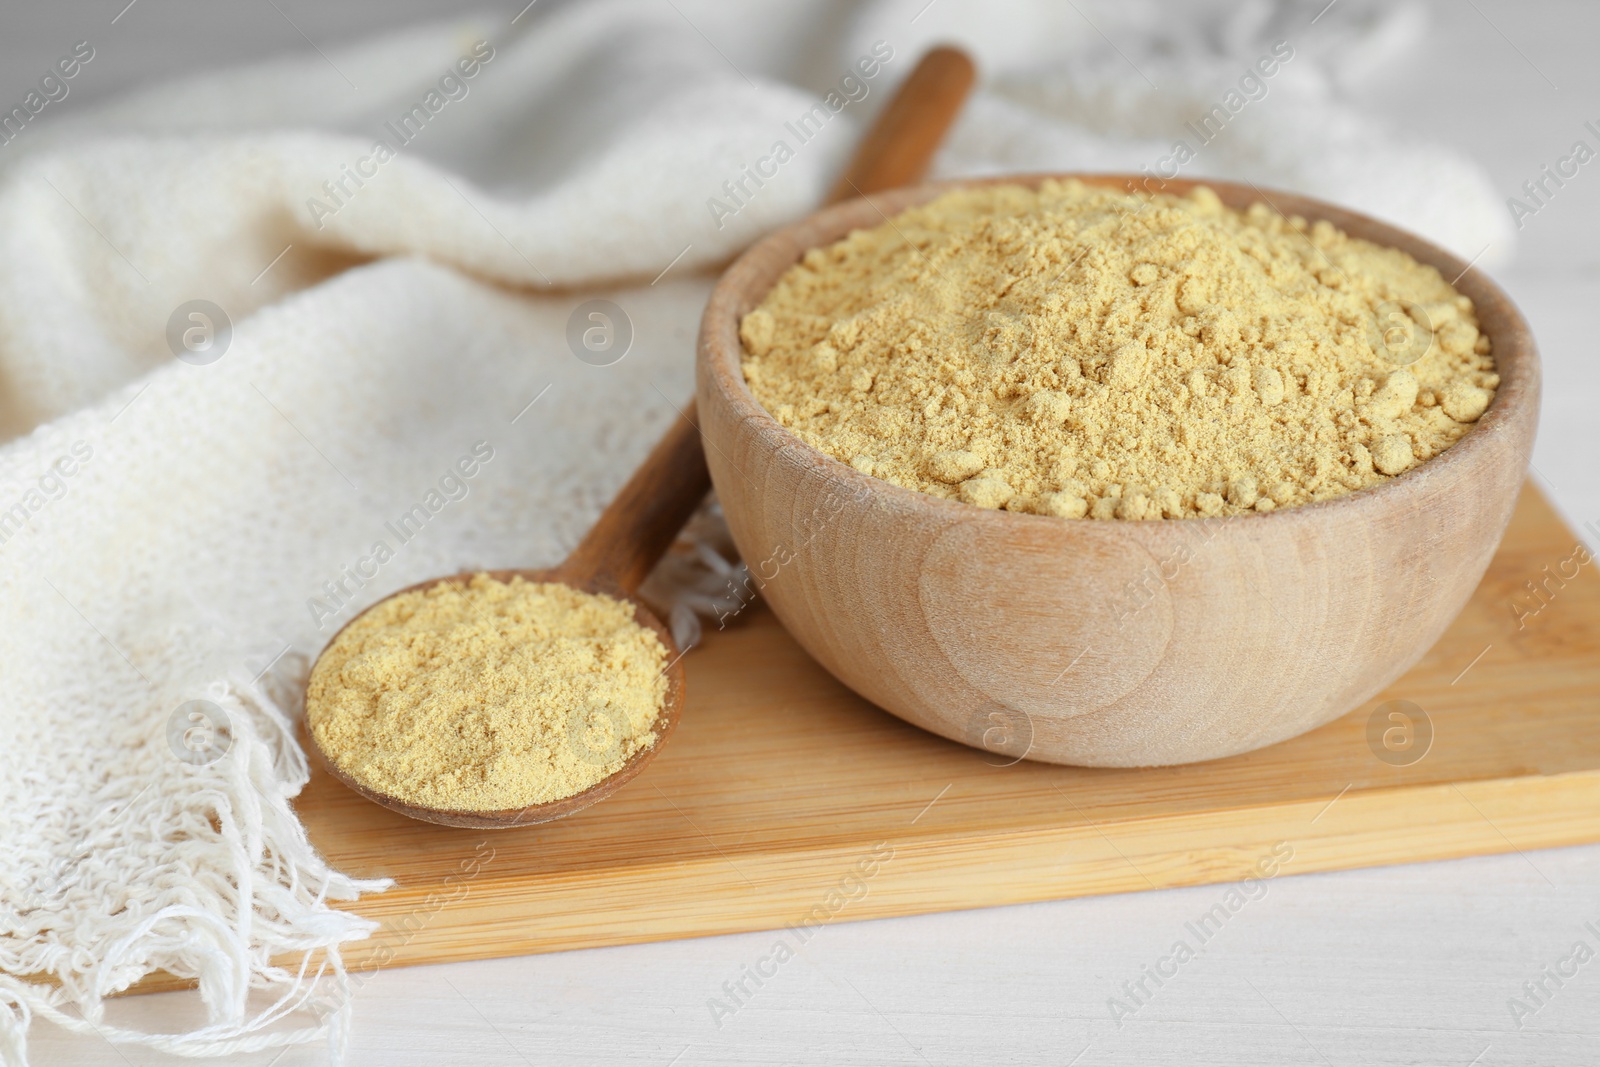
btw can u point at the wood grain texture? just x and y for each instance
(1108, 643)
(780, 780)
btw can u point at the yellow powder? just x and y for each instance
(488, 696)
(1077, 351)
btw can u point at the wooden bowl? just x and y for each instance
(1108, 643)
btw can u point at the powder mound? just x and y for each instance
(1077, 351)
(489, 695)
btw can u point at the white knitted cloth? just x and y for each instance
(180, 537)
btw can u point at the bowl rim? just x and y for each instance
(1513, 410)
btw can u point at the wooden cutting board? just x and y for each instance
(785, 800)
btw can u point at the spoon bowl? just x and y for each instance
(666, 721)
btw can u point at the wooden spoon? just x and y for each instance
(613, 558)
(639, 525)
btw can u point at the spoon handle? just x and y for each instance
(639, 525)
(902, 142)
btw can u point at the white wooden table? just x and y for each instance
(1405, 965)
